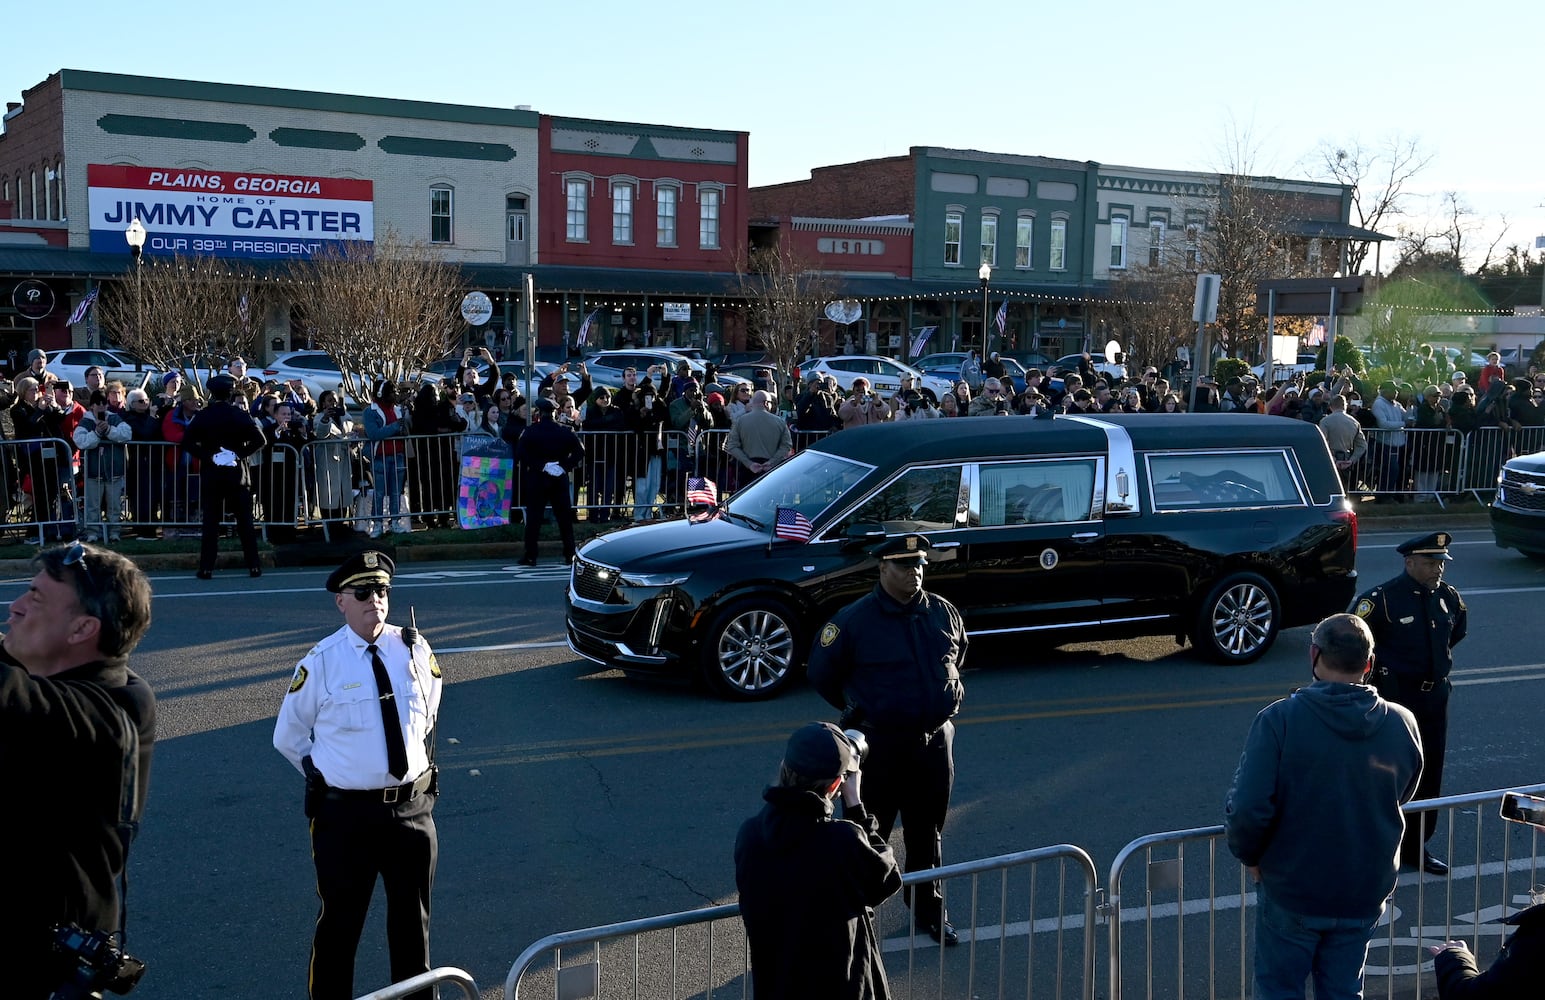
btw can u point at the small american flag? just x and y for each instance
(693, 432)
(81, 308)
(243, 312)
(701, 489)
(791, 524)
(1002, 317)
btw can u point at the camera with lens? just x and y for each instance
(860, 747)
(97, 964)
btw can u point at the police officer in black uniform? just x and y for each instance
(221, 437)
(547, 452)
(891, 661)
(359, 722)
(1417, 620)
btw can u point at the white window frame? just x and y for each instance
(1057, 256)
(990, 247)
(710, 216)
(59, 188)
(624, 198)
(1024, 240)
(449, 215)
(576, 207)
(1157, 230)
(32, 207)
(956, 218)
(667, 212)
(1194, 246)
(1119, 224)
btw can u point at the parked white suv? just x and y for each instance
(884, 374)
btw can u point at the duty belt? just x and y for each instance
(388, 796)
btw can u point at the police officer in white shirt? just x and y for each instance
(359, 723)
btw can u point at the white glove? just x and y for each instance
(225, 457)
(554, 469)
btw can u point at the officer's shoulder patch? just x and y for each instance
(299, 680)
(829, 634)
(434, 666)
(1364, 608)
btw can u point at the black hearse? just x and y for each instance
(1221, 529)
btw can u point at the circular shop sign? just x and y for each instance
(33, 299)
(476, 308)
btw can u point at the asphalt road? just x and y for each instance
(573, 797)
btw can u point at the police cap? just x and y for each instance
(1434, 545)
(820, 750)
(546, 406)
(362, 568)
(904, 548)
(221, 385)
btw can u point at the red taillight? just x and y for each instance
(1350, 518)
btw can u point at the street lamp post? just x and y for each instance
(135, 235)
(984, 273)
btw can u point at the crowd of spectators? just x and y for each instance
(87, 452)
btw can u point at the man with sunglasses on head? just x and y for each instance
(359, 722)
(71, 710)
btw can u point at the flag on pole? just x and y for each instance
(920, 339)
(701, 489)
(584, 328)
(243, 312)
(693, 433)
(1316, 333)
(1002, 318)
(791, 524)
(82, 307)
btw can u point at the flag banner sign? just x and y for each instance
(222, 213)
(791, 524)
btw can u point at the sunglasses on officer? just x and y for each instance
(368, 591)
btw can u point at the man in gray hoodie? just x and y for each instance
(1314, 813)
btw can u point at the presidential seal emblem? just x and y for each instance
(1049, 558)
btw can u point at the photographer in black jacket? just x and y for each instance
(809, 883)
(68, 702)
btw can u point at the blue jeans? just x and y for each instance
(646, 488)
(1289, 947)
(387, 470)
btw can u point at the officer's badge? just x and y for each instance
(828, 634)
(1442, 540)
(1364, 608)
(434, 666)
(371, 561)
(299, 680)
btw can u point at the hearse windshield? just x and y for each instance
(809, 482)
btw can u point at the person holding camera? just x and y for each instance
(862, 406)
(79, 726)
(359, 722)
(1521, 962)
(387, 423)
(891, 662)
(809, 883)
(332, 456)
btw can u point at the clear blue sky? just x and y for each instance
(1119, 81)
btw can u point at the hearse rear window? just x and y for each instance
(1205, 480)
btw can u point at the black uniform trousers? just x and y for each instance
(222, 487)
(541, 490)
(912, 774)
(1431, 711)
(354, 841)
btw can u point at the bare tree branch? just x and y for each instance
(1378, 177)
(784, 297)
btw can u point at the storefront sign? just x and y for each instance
(476, 308)
(677, 312)
(225, 213)
(33, 299)
(867, 248)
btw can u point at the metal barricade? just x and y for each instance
(1201, 946)
(1026, 921)
(446, 974)
(38, 484)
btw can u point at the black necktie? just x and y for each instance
(396, 749)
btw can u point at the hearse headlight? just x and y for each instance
(653, 579)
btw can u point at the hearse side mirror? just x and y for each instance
(861, 535)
